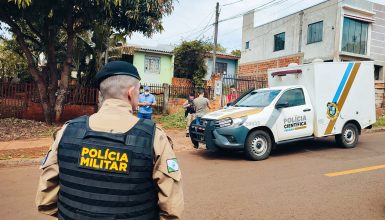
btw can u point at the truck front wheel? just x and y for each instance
(348, 137)
(258, 145)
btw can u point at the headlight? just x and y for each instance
(226, 122)
(239, 121)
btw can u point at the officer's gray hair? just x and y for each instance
(116, 87)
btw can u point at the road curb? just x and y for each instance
(20, 162)
(373, 130)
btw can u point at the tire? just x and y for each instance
(348, 137)
(258, 145)
(195, 143)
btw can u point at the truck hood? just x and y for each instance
(232, 112)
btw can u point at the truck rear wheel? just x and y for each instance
(258, 145)
(348, 137)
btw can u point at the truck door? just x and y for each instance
(295, 118)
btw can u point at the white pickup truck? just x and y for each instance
(303, 102)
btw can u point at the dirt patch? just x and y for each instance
(179, 139)
(16, 129)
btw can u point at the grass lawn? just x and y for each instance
(172, 121)
(380, 122)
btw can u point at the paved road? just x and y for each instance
(291, 184)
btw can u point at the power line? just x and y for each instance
(224, 34)
(232, 3)
(205, 28)
(263, 6)
(268, 31)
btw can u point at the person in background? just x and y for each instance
(146, 101)
(233, 95)
(202, 105)
(189, 107)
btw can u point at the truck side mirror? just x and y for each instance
(229, 104)
(281, 105)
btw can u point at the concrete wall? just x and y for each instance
(377, 48)
(324, 49)
(231, 67)
(262, 38)
(166, 68)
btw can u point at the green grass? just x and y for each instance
(380, 122)
(176, 120)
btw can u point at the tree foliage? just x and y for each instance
(57, 27)
(236, 53)
(12, 62)
(190, 61)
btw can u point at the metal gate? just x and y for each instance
(241, 85)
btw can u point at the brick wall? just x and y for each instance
(181, 82)
(176, 104)
(34, 111)
(261, 67)
(380, 98)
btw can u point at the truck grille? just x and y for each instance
(198, 130)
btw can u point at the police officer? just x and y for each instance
(111, 165)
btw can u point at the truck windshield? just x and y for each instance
(258, 98)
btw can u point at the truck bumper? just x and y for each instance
(214, 138)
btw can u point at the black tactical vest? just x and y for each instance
(107, 176)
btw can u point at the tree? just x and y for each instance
(236, 53)
(190, 61)
(52, 27)
(12, 62)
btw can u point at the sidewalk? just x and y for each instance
(27, 143)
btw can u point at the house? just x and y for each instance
(334, 30)
(226, 64)
(154, 64)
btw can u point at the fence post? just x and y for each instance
(166, 93)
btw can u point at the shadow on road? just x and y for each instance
(323, 144)
(284, 150)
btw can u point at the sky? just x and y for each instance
(192, 19)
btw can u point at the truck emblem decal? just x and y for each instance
(332, 110)
(348, 79)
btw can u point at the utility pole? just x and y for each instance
(216, 43)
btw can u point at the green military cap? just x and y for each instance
(116, 68)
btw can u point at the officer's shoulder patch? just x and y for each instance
(172, 165)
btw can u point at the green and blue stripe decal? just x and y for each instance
(342, 92)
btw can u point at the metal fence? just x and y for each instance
(242, 84)
(14, 98)
(158, 90)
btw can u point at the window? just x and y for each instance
(152, 64)
(378, 75)
(258, 98)
(247, 45)
(354, 36)
(293, 97)
(314, 32)
(221, 68)
(279, 41)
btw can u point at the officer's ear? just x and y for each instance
(133, 95)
